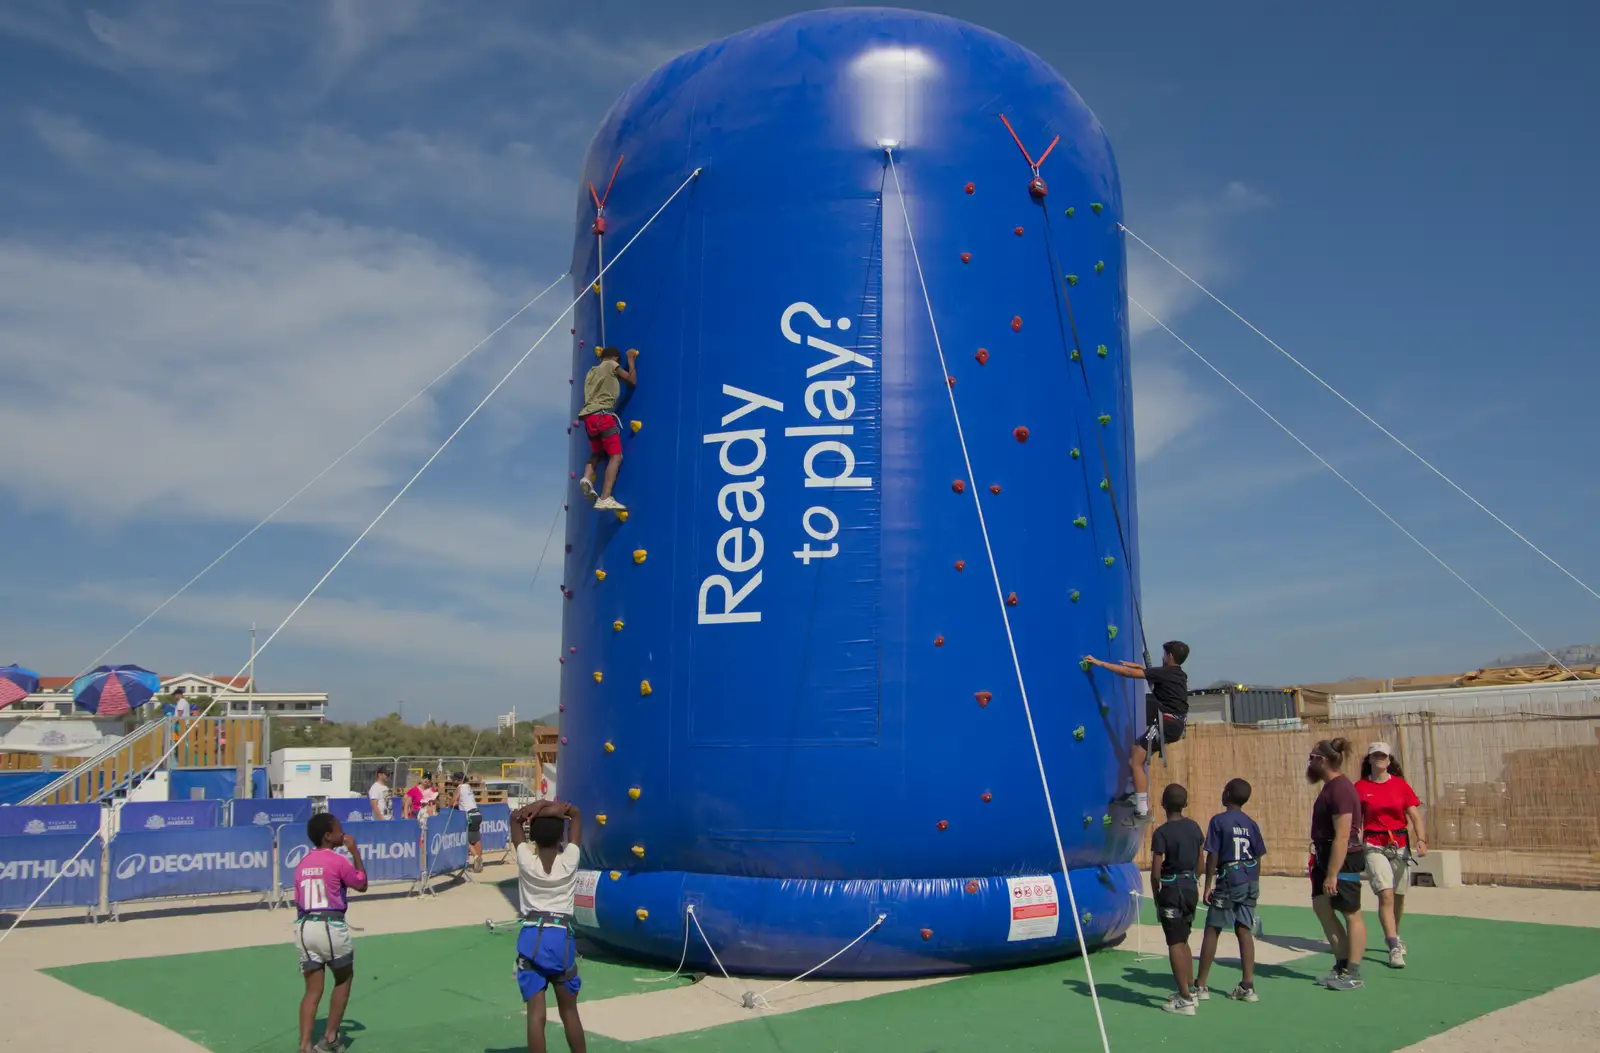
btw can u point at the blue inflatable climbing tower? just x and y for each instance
(788, 691)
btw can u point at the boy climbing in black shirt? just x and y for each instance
(1174, 885)
(1166, 710)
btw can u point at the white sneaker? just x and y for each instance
(1397, 957)
(610, 504)
(1201, 994)
(1180, 1005)
(586, 488)
(1244, 994)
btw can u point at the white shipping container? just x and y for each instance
(1534, 699)
(310, 772)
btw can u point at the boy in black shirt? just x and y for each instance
(1166, 710)
(1174, 865)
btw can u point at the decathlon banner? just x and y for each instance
(273, 811)
(447, 843)
(354, 809)
(495, 831)
(29, 862)
(168, 815)
(151, 865)
(390, 851)
(80, 819)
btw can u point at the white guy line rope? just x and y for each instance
(1344, 479)
(944, 371)
(681, 958)
(759, 1001)
(1340, 395)
(270, 516)
(710, 948)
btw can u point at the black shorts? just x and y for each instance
(1346, 898)
(474, 821)
(1171, 727)
(1175, 906)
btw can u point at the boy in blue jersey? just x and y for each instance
(1234, 848)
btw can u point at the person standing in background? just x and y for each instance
(382, 802)
(1388, 806)
(1338, 861)
(467, 804)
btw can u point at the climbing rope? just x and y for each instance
(684, 957)
(372, 525)
(696, 919)
(994, 570)
(1359, 492)
(1341, 397)
(599, 230)
(759, 1001)
(270, 516)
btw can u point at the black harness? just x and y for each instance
(614, 429)
(542, 920)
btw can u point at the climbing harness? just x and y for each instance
(543, 920)
(1345, 479)
(1363, 413)
(994, 570)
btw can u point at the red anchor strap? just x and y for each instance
(600, 199)
(1027, 156)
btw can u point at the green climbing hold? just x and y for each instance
(1075, 356)
(1087, 917)
(1099, 266)
(1077, 733)
(1105, 820)
(1111, 632)
(1073, 595)
(1084, 665)
(1075, 453)
(1110, 560)
(1097, 206)
(1102, 351)
(1087, 821)
(1081, 523)
(1071, 211)
(1105, 484)
(1072, 279)
(1105, 418)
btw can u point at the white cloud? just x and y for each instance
(1166, 404)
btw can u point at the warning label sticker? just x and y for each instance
(583, 899)
(1034, 910)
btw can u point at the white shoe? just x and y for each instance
(1180, 1005)
(586, 488)
(1201, 994)
(1397, 957)
(610, 504)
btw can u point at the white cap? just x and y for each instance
(1380, 747)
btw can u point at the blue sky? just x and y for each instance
(231, 241)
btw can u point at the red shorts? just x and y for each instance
(605, 433)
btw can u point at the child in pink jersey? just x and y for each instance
(320, 882)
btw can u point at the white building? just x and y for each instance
(234, 697)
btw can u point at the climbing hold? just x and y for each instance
(1102, 351)
(644, 687)
(562, 659)
(601, 818)
(638, 850)
(1097, 206)
(1073, 595)
(1076, 453)
(1087, 917)
(616, 875)
(639, 555)
(1087, 821)
(1019, 232)
(951, 381)
(566, 592)
(1075, 356)
(616, 626)
(595, 286)
(573, 330)
(610, 748)
(959, 486)
(987, 797)
(1071, 211)
(572, 650)
(994, 489)
(563, 506)
(622, 517)
(635, 425)
(966, 257)
(1072, 279)
(1011, 600)
(622, 305)
(938, 641)
(944, 824)
(1099, 266)
(1110, 560)
(1016, 324)
(1020, 433)
(1105, 484)
(569, 547)
(1105, 418)
(927, 934)
(982, 356)
(563, 740)
(641, 914)
(569, 380)
(562, 707)
(597, 350)
(1084, 665)
(961, 564)
(972, 188)
(572, 475)
(1077, 733)
(1037, 187)
(599, 575)
(1105, 820)
(597, 676)
(1111, 632)
(1082, 522)
(972, 888)
(633, 793)
(983, 698)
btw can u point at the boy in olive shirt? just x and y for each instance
(600, 423)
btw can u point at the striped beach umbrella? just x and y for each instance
(16, 684)
(112, 690)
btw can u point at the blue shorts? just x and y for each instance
(546, 955)
(1233, 905)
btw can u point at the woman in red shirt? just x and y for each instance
(1389, 805)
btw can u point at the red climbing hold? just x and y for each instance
(562, 707)
(580, 343)
(572, 475)
(944, 825)
(987, 797)
(995, 489)
(966, 257)
(959, 486)
(1019, 232)
(563, 740)
(572, 650)
(562, 659)
(983, 697)
(982, 356)
(951, 380)
(927, 934)
(938, 641)
(1011, 600)
(972, 188)
(1037, 187)
(961, 564)
(972, 888)
(573, 331)
(1021, 433)
(569, 548)
(1016, 324)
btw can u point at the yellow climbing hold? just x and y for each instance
(616, 875)
(616, 626)
(597, 676)
(644, 687)
(622, 305)
(610, 748)
(639, 555)
(599, 575)
(597, 351)
(633, 793)
(601, 818)
(638, 850)
(636, 425)
(595, 285)
(641, 914)
(622, 517)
